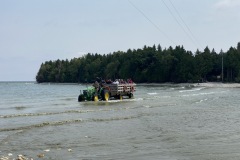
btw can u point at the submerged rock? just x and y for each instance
(4, 158)
(41, 155)
(21, 157)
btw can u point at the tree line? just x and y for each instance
(147, 65)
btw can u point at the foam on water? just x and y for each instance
(202, 100)
(154, 93)
(192, 90)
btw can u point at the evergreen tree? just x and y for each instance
(149, 64)
(238, 47)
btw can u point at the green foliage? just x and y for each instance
(149, 64)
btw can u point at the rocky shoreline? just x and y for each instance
(11, 156)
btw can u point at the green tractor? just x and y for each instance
(90, 94)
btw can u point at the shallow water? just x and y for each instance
(162, 122)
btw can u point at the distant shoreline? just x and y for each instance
(217, 85)
(206, 84)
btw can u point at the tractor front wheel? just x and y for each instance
(80, 98)
(95, 98)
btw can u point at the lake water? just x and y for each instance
(167, 122)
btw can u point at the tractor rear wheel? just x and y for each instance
(105, 95)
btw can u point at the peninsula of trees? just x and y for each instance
(149, 64)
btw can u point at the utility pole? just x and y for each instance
(222, 65)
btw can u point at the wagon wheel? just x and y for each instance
(130, 95)
(120, 97)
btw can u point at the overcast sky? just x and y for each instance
(35, 31)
